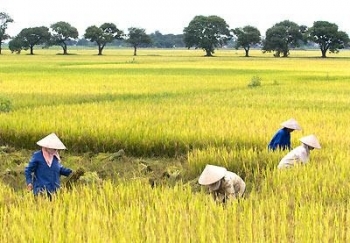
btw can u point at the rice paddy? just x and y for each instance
(178, 106)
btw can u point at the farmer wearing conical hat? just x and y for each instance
(301, 154)
(44, 168)
(281, 140)
(222, 184)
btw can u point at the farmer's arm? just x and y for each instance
(276, 140)
(65, 171)
(29, 170)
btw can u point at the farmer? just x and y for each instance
(281, 140)
(44, 168)
(222, 184)
(301, 154)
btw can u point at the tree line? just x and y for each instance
(203, 32)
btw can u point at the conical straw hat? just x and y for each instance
(291, 124)
(211, 174)
(51, 141)
(311, 141)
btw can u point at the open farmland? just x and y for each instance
(176, 111)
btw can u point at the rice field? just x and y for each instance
(177, 103)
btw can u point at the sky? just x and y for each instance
(171, 17)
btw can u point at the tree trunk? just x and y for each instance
(100, 48)
(0, 48)
(208, 52)
(324, 51)
(246, 52)
(31, 50)
(135, 50)
(64, 49)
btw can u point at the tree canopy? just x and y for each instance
(102, 35)
(16, 45)
(283, 36)
(137, 37)
(30, 37)
(4, 20)
(247, 37)
(207, 33)
(166, 41)
(63, 32)
(328, 37)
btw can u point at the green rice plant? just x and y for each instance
(5, 104)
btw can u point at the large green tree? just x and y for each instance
(137, 37)
(247, 37)
(16, 45)
(4, 20)
(207, 33)
(102, 35)
(63, 32)
(328, 37)
(30, 37)
(283, 36)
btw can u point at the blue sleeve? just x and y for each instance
(65, 171)
(30, 168)
(274, 141)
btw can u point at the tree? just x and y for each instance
(283, 36)
(102, 35)
(136, 37)
(327, 36)
(207, 33)
(166, 41)
(62, 34)
(84, 42)
(4, 20)
(30, 37)
(247, 37)
(16, 45)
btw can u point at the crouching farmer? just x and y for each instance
(44, 168)
(222, 184)
(301, 154)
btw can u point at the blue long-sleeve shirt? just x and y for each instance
(41, 176)
(281, 140)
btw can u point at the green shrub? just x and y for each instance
(5, 105)
(255, 82)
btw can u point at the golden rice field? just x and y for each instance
(177, 103)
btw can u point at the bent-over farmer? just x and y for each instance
(281, 139)
(301, 154)
(222, 184)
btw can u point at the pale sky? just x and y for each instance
(171, 17)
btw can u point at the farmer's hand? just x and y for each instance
(78, 173)
(75, 175)
(29, 187)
